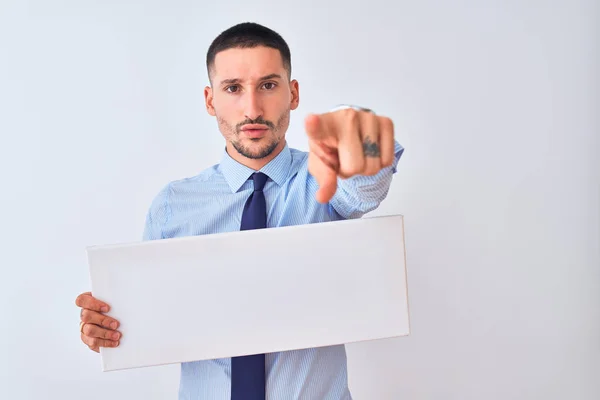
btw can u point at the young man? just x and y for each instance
(262, 183)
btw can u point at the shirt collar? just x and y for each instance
(236, 174)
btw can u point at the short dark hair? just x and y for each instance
(249, 35)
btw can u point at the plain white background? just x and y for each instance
(496, 102)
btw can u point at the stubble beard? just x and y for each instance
(266, 149)
(263, 151)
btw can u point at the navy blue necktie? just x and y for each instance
(248, 372)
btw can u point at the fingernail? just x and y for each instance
(113, 325)
(115, 336)
(104, 309)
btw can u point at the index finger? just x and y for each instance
(317, 128)
(324, 174)
(86, 300)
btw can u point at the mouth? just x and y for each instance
(255, 131)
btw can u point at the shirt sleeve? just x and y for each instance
(157, 216)
(360, 194)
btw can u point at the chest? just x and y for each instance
(211, 211)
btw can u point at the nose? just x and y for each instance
(252, 106)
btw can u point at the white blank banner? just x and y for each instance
(260, 291)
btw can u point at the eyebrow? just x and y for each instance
(236, 80)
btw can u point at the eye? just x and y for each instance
(231, 88)
(269, 85)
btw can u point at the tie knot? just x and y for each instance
(259, 181)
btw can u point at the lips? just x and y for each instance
(255, 130)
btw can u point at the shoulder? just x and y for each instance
(205, 177)
(172, 195)
(204, 180)
(297, 153)
(299, 159)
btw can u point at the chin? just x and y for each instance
(256, 149)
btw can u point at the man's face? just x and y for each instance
(252, 97)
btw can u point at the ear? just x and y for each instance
(295, 90)
(208, 99)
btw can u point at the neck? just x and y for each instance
(253, 163)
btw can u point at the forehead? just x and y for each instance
(247, 63)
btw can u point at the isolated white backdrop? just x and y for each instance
(496, 103)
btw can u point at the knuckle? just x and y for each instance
(80, 300)
(350, 115)
(374, 170)
(388, 123)
(353, 169)
(88, 330)
(372, 119)
(106, 322)
(94, 331)
(354, 118)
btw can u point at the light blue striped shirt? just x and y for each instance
(212, 202)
